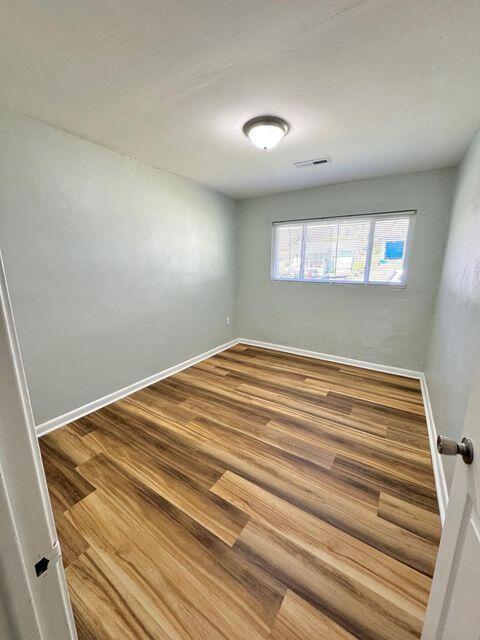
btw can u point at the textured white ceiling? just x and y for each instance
(381, 87)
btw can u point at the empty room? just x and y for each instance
(240, 320)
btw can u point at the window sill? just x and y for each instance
(400, 285)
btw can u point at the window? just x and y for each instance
(370, 249)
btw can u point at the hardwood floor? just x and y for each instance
(256, 495)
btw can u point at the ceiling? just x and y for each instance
(380, 86)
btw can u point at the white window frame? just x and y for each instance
(372, 217)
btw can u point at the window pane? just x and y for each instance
(288, 251)
(388, 251)
(352, 250)
(320, 250)
(337, 251)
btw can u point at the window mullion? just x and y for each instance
(368, 260)
(302, 252)
(336, 247)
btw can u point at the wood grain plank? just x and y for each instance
(66, 487)
(198, 503)
(103, 609)
(368, 570)
(408, 463)
(318, 583)
(323, 456)
(318, 366)
(299, 620)
(67, 446)
(234, 450)
(263, 591)
(370, 396)
(300, 383)
(166, 565)
(424, 523)
(312, 488)
(369, 474)
(145, 437)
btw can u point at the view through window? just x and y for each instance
(356, 249)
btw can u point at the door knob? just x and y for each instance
(448, 447)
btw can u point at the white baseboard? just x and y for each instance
(437, 463)
(398, 371)
(75, 414)
(440, 483)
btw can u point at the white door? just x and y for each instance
(34, 603)
(454, 607)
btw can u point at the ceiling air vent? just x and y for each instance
(311, 163)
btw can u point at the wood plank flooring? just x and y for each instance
(256, 495)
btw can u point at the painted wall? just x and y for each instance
(379, 324)
(116, 270)
(455, 339)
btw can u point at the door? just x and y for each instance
(34, 602)
(453, 611)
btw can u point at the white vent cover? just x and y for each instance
(312, 163)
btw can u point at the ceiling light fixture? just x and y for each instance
(265, 132)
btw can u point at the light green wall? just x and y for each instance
(378, 324)
(455, 338)
(116, 270)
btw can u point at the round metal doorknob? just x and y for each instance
(448, 447)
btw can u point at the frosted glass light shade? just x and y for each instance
(265, 132)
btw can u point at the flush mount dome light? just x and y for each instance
(265, 132)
